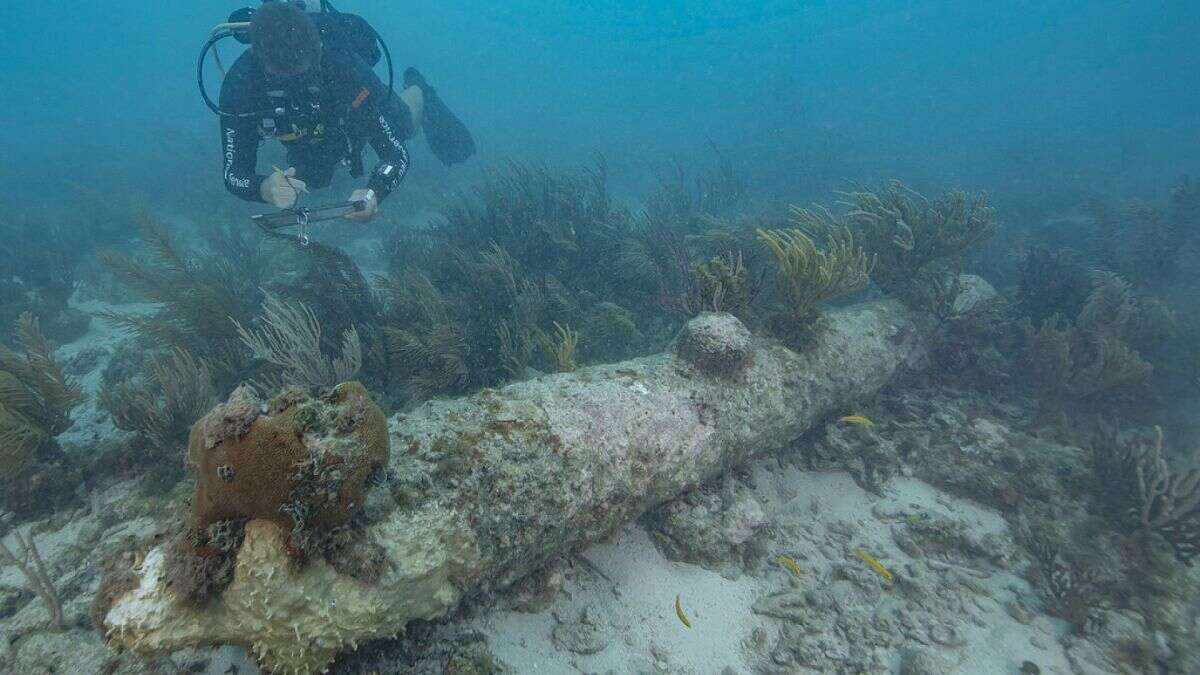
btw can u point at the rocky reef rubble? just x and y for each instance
(947, 570)
(713, 526)
(73, 545)
(1000, 554)
(954, 600)
(771, 561)
(995, 535)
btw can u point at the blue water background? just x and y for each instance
(804, 96)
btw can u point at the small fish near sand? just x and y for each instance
(679, 613)
(859, 420)
(790, 564)
(875, 564)
(917, 518)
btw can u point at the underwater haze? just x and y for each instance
(799, 92)
(668, 337)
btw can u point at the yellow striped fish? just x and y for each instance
(857, 419)
(875, 564)
(679, 613)
(790, 564)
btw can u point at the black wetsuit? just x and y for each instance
(353, 109)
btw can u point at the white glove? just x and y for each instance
(281, 188)
(370, 205)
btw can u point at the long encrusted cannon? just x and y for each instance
(486, 489)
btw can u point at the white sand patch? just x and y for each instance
(639, 620)
(90, 422)
(641, 633)
(101, 332)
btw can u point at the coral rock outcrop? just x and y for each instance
(484, 490)
(297, 461)
(718, 344)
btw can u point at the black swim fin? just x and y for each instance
(448, 137)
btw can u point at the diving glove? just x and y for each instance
(281, 188)
(370, 205)
(448, 137)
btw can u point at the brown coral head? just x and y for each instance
(298, 461)
(231, 419)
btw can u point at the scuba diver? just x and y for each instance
(307, 81)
